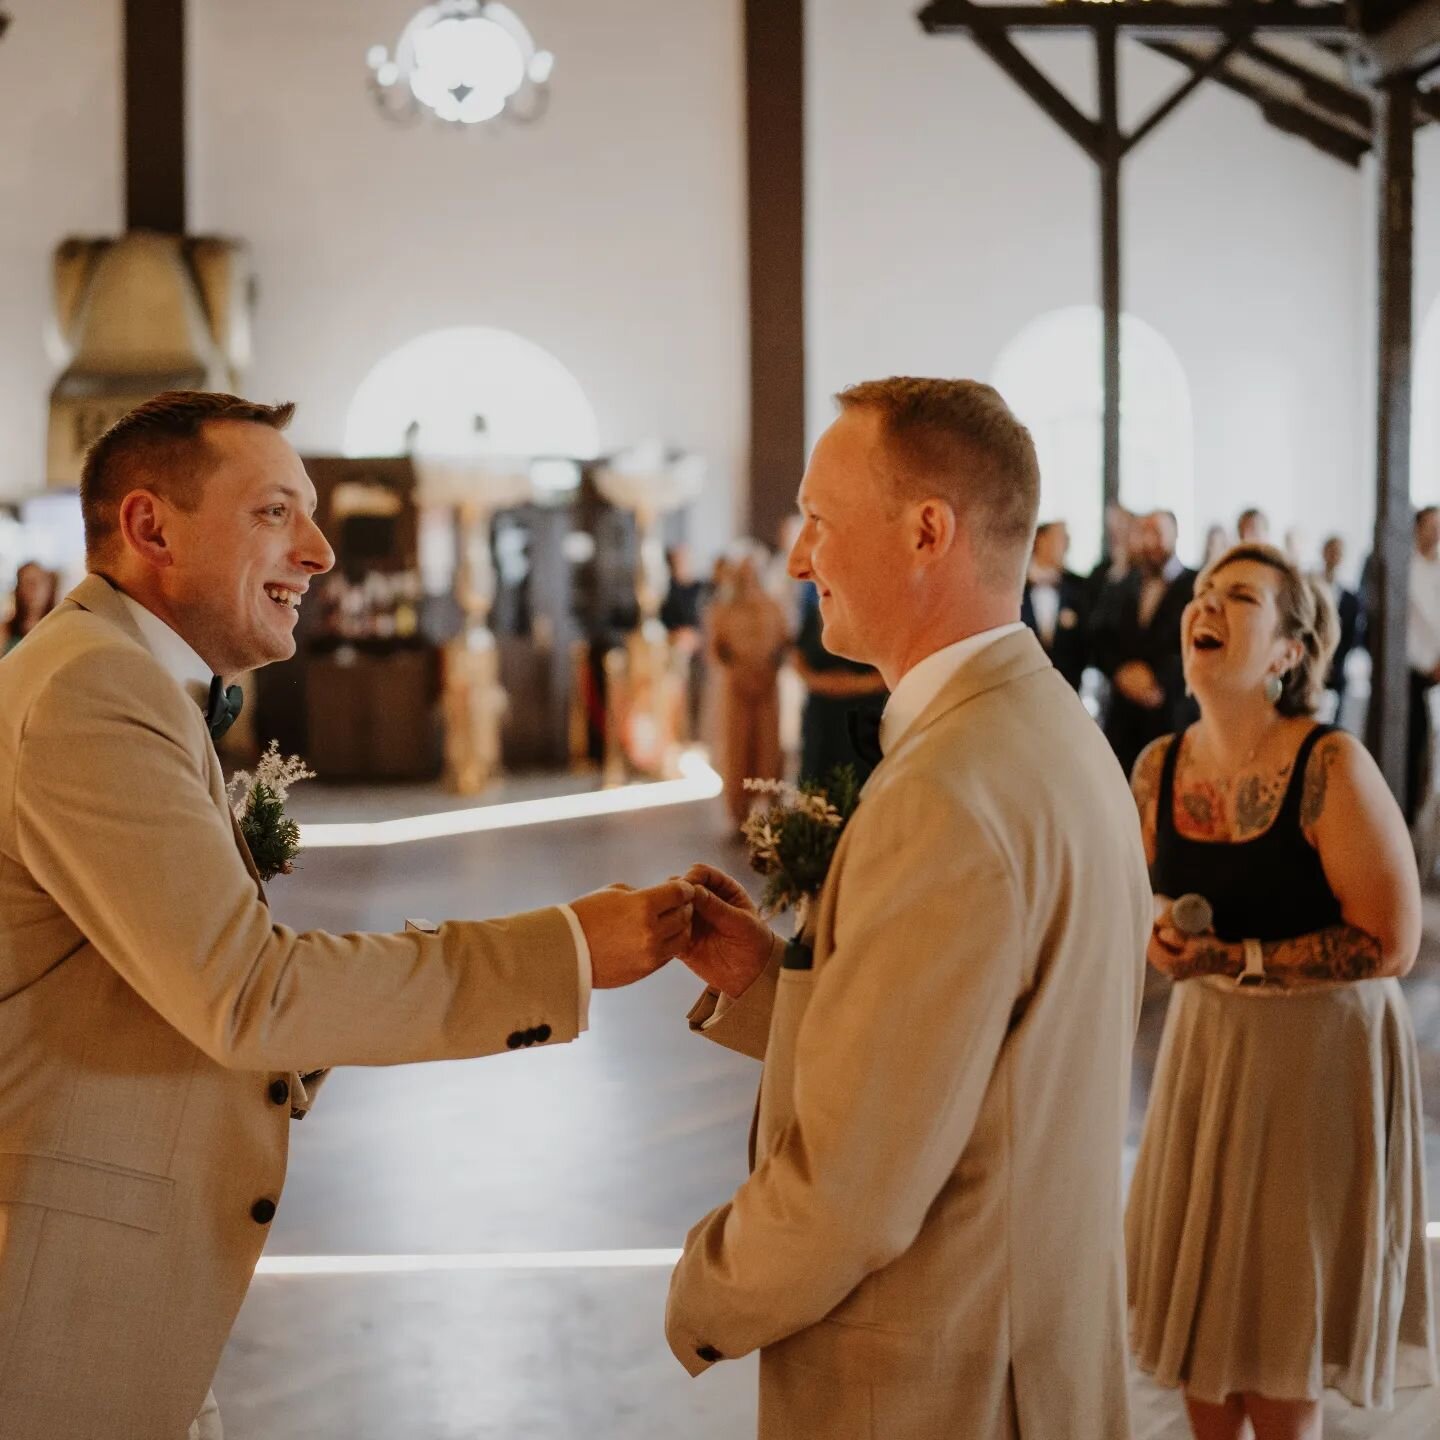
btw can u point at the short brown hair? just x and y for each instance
(1307, 614)
(158, 446)
(960, 441)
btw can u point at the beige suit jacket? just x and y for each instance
(929, 1245)
(151, 1016)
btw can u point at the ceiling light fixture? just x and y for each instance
(465, 62)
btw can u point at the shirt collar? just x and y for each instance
(923, 682)
(176, 657)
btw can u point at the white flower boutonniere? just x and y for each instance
(258, 803)
(793, 840)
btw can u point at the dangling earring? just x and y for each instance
(1274, 688)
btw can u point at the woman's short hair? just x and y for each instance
(1307, 614)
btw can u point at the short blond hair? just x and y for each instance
(1307, 614)
(959, 441)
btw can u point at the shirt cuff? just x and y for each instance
(582, 959)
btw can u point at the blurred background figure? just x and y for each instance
(749, 638)
(682, 615)
(1350, 609)
(1217, 542)
(835, 689)
(1055, 604)
(35, 596)
(1253, 527)
(1136, 633)
(1115, 558)
(1422, 645)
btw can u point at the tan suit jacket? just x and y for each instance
(929, 1244)
(151, 1016)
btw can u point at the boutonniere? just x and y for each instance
(258, 803)
(792, 841)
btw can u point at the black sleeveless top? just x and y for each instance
(1270, 887)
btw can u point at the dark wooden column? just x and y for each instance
(775, 157)
(1394, 527)
(155, 115)
(1111, 152)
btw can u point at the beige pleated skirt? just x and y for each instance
(1276, 1224)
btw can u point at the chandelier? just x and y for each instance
(464, 61)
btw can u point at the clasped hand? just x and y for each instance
(704, 917)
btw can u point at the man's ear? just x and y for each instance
(144, 522)
(936, 528)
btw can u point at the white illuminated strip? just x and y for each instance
(698, 782)
(489, 1260)
(1432, 1230)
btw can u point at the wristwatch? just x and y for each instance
(1254, 971)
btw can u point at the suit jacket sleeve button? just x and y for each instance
(709, 1354)
(279, 1091)
(515, 1041)
(262, 1212)
(542, 1034)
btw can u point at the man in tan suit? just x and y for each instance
(929, 1244)
(154, 1021)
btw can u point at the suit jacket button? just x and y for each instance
(515, 1041)
(262, 1212)
(279, 1091)
(542, 1034)
(709, 1354)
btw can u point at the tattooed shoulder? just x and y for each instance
(1318, 775)
(1145, 778)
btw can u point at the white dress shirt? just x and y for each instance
(1422, 631)
(1045, 602)
(193, 676)
(923, 682)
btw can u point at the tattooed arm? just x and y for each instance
(1352, 820)
(1145, 787)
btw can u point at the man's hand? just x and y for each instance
(729, 943)
(1135, 680)
(632, 933)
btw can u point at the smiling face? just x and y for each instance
(240, 562)
(1231, 631)
(853, 540)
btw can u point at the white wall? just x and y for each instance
(946, 211)
(612, 233)
(60, 174)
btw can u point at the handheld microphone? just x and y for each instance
(1192, 915)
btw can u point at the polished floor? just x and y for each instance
(498, 1198)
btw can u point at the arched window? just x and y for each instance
(471, 391)
(1050, 374)
(1425, 414)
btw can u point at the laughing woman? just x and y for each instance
(1276, 1225)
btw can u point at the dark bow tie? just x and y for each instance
(223, 707)
(864, 727)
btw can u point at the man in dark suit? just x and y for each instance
(1055, 605)
(1136, 634)
(1351, 610)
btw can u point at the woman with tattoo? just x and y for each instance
(1276, 1224)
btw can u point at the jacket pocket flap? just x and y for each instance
(87, 1187)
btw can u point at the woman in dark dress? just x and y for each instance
(1276, 1223)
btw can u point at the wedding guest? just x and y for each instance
(1054, 603)
(1422, 647)
(1217, 542)
(1115, 559)
(682, 614)
(1136, 634)
(841, 697)
(749, 636)
(35, 596)
(1350, 609)
(1276, 1224)
(1253, 527)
